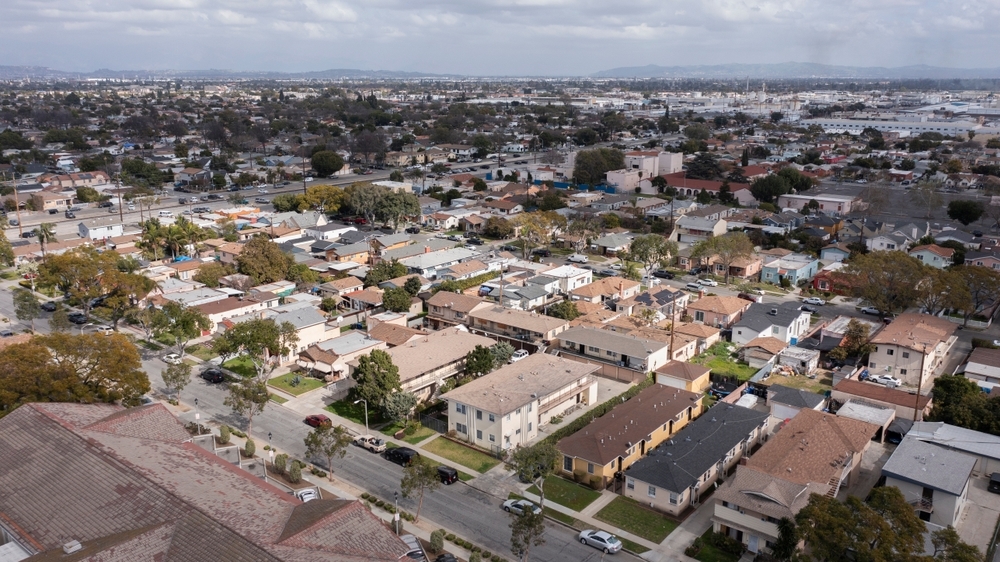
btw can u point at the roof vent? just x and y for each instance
(72, 546)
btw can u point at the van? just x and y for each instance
(166, 213)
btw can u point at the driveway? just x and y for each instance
(979, 518)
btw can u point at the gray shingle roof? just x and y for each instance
(793, 396)
(759, 318)
(926, 464)
(605, 340)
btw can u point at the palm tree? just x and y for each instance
(46, 234)
(174, 239)
(152, 237)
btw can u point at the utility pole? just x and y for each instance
(17, 202)
(920, 383)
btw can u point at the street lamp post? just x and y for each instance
(366, 413)
(395, 516)
(270, 454)
(197, 416)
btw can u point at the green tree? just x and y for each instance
(886, 280)
(591, 166)
(247, 398)
(502, 351)
(788, 540)
(109, 366)
(181, 322)
(327, 442)
(394, 206)
(980, 287)
(289, 202)
(330, 198)
(46, 235)
(123, 293)
(377, 377)
(498, 227)
(26, 307)
(396, 300)
(262, 260)
(6, 251)
(564, 309)
(412, 286)
(479, 185)
(87, 194)
(703, 197)
(856, 341)
(948, 547)
(210, 273)
(730, 248)
(526, 530)
(534, 464)
(796, 180)
(480, 361)
(419, 477)
(965, 211)
(262, 341)
(326, 163)
(59, 323)
(397, 406)
(766, 189)
(704, 166)
(384, 271)
(697, 131)
(365, 199)
(176, 377)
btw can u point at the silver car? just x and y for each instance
(601, 540)
(518, 506)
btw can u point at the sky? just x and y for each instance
(492, 37)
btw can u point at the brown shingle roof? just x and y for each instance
(717, 304)
(455, 301)
(683, 370)
(771, 345)
(913, 330)
(882, 393)
(394, 334)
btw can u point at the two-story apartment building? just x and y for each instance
(662, 298)
(612, 442)
(447, 309)
(718, 311)
(912, 347)
(934, 480)
(673, 476)
(785, 322)
(635, 353)
(504, 408)
(425, 363)
(695, 229)
(570, 277)
(516, 324)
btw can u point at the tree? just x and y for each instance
(788, 540)
(479, 185)
(327, 442)
(6, 250)
(795, 179)
(948, 547)
(377, 377)
(262, 260)
(768, 188)
(176, 377)
(384, 271)
(210, 273)
(123, 293)
(591, 166)
(965, 211)
(365, 198)
(398, 406)
(329, 198)
(60, 319)
(46, 235)
(855, 343)
(498, 227)
(26, 307)
(326, 163)
(480, 361)
(652, 249)
(886, 280)
(697, 131)
(981, 287)
(77, 273)
(394, 206)
(942, 288)
(537, 227)
(181, 322)
(730, 248)
(925, 194)
(248, 398)
(262, 341)
(564, 309)
(502, 351)
(396, 175)
(526, 530)
(290, 202)
(419, 477)
(534, 464)
(412, 286)
(703, 197)
(704, 166)
(396, 300)
(109, 366)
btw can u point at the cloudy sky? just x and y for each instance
(492, 37)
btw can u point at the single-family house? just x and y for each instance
(786, 402)
(664, 299)
(690, 229)
(834, 253)
(786, 322)
(761, 351)
(571, 277)
(933, 255)
(797, 268)
(687, 376)
(463, 270)
(983, 365)
(606, 289)
(887, 242)
(340, 287)
(425, 363)
(612, 244)
(101, 228)
(719, 311)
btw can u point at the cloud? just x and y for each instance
(328, 10)
(229, 17)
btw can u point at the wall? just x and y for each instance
(750, 522)
(947, 507)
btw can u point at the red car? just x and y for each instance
(360, 220)
(318, 420)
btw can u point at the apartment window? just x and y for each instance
(630, 484)
(508, 417)
(459, 315)
(459, 408)
(590, 468)
(774, 329)
(462, 428)
(651, 492)
(674, 498)
(568, 464)
(479, 434)
(871, 365)
(493, 438)
(479, 414)
(906, 355)
(493, 418)
(593, 349)
(890, 351)
(612, 354)
(529, 426)
(902, 371)
(529, 406)
(517, 432)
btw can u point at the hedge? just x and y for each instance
(603, 408)
(473, 281)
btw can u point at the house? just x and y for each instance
(684, 375)
(834, 253)
(785, 322)
(612, 244)
(692, 187)
(504, 207)
(365, 299)
(787, 402)
(933, 255)
(101, 228)
(333, 356)
(635, 353)
(829, 204)
(448, 309)
(901, 401)
(503, 409)
(427, 362)
(661, 298)
(149, 485)
(340, 287)
(393, 335)
(219, 309)
(464, 270)
(606, 289)
(960, 236)
(612, 442)
(516, 324)
(934, 480)
(887, 242)
(983, 447)
(571, 277)
(193, 176)
(689, 229)
(983, 365)
(309, 323)
(797, 268)
(673, 476)
(46, 200)
(761, 351)
(429, 263)
(705, 336)
(814, 452)
(718, 311)
(359, 252)
(912, 347)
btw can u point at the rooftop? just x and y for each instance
(720, 305)
(607, 340)
(683, 370)
(528, 321)
(914, 330)
(930, 466)
(435, 350)
(882, 393)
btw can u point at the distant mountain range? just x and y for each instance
(797, 70)
(44, 73)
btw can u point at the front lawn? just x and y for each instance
(567, 493)
(287, 383)
(632, 547)
(416, 437)
(712, 553)
(465, 456)
(202, 352)
(720, 361)
(241, 366)
(354, 412)
(629, 515)
(276, 399)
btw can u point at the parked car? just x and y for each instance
(542, 252)
(815, 301)
(448, 475)
(518, 507)
(413, 230)
(807, 308)
(748, 297)
(708, 282)
(608, 272)
(415, 552)
(994, 485)
(518, 355)
(370, 442)
(870, 310)
(260, 200)
(306, 495)
(510, 248)
(601, 540)
(6, 333)
(77, 318)
(694, 286)
(104, 204)
(213, 375)
(577, 258)
(885, 379)
(446, 557)
(474, 242)
(49, 306)
(70, 215)
(455, 238)
(663, 274)
(402, 456)
(172, 358)
(30, 234)
(317, 420)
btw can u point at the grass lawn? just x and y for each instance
(567, 493)
(718, 359)
(632, 547)
(149, 345)
(202, 352)
(354, 412)
(284, 382)
(165, 339)
(549, 512)
(465, 456)
(417, 437)
(276, 398)
(627, 514)
(709, 553)
(822, 383)
(241, 366)
(9, 275)
(464, 476)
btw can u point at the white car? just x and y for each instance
(601, 540)
(518, 355)
(870, 310)
(577, 258)
(370, 442)
(262, 191)
(518, 506)
(307, 494)
(653, 281)
(814, 300)
(708, 282)
(886, 379)
(172, 358)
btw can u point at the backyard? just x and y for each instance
(295, 384)
(822, 383)
(719, 360)
(567, 493)
(628, 515)
(465, 456)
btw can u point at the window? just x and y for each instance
(517, 432)
(568, 464)
(906, 355)
(462, 428)
(590, 468)
(593, 349)
(871, 365)
(529, 406)
(518, 411)
(459, 408)
(479, 414)
(890, 351)
(630, 484)
(479, 434)
(902, 371)
(493, 418)
(612, 354)
(774, 329)
(651, 491)
(529, 426)
(493, 438)
(699, 316)
(674, 498)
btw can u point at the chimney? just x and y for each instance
(621, 289)
(427, 249)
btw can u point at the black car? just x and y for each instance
(474, 241)
(106, 204)
(49, 306)
(446, 557)
(994, 485)
(413, 230)
(448, 475)
(663, 274)
(402, 456)
(543, 252)
(510, 248)
(213, 375)
(77, 317)
(70, 215)
(30, 234)
(53, 211)
(214, 197)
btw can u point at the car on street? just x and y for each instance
(870, 310)
(448, 475)
(542, 252)
(172, 359)
(518, 355)
(49, 306)
(6, 333)
(30, 234)
(474, 242)
(693, 286)
(317, 420)
(885, 379)
(510, 248)
(306, 495)
(608, 272)
(518, 507)
(601, 540)
(402, 456)
(807, 308)
(77, 318)
(213, 375)
(663, 274)
(70, 215)
(577, 258)
(262, 191)
(105, 204)
(370, 442)
(708, 282)
(814, 301)
(260, 200)
(413, 230)
(749, 297)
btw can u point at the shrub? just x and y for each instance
(580, 475)
(496, 558)
(224, 434)
(487, 555)
(412, 428)
(692, 551)
(476, 549)
(249, 449)
(267, 447)
(450, 537)
(597, 483)
(280, 463)
(365, 495)
(977, 342)
(295, 473)
(437, 541)
(475, 557)
(380, 503)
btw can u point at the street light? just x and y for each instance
(270, 454)
(197, 416)
(395, 516)
(366, 412)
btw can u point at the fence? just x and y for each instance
(436, 424)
